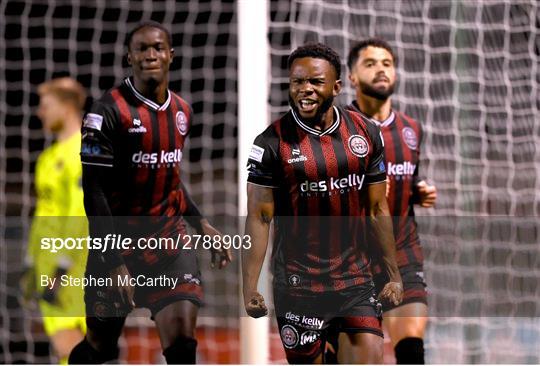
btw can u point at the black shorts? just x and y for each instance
(306, 322)
(414, 287)
(157, 287)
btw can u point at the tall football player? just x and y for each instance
(131, 153)
(317, 171)
(372, 72)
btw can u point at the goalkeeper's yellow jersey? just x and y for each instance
(59, 209)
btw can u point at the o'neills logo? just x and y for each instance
(338, 185)
(405, 168)
(164, 157)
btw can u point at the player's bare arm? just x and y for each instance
(101, 223)
(221, 257)
(260, 214)
(380, 224)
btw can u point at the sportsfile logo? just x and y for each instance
(164, 157)
(405, 168)
(340, 185)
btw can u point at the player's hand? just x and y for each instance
(122, 294)
(221, 257)
(392, 292)
(427, 194)
(255, 306)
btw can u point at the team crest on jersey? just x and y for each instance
(409, 136)
(181, 123)
(289, 336)
(102, 310)
(358, 145)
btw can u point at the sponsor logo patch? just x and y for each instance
(188, 277)
(90, 149)
(308, 337)
(409, 136)
(340, 185)
(358, 145)
(93, 120)
(256, 153)
(296, 156)
(405, 168)
(164, 157)
(382, 168)
(138, 127)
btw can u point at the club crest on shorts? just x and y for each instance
(409, 136)
(102, 310)
(289, 336)
(181, 123)
(358, 145)
(294, 280)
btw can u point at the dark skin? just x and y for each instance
(312, 85)
(312, 82)
(150, 56)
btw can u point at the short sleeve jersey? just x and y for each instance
(142, 143)
(402, 137)
(319, 178)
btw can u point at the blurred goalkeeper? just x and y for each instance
(59, 213)
(372, 72)
(131, 153)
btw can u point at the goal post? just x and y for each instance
(253, 64)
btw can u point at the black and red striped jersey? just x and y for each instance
(402, 139)
(319, 180)
(142, 143)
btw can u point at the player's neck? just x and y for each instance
(327, 120)
(72, 126)
(377, 109)
(156, 93)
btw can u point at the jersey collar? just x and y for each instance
(148, 102)
(314, 131)
(387, 122)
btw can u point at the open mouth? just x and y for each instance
(383, 79)
(307, 105)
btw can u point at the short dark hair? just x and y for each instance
(354, 53)
(317, 50)
(150, 24)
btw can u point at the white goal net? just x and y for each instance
(85, 39)
(468, 72)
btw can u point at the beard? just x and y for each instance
(323, 108)
(377, 93)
